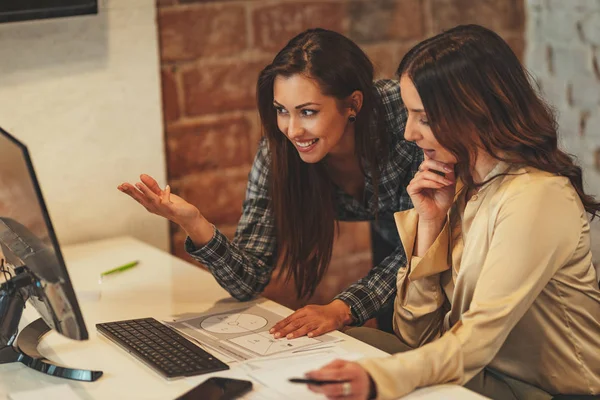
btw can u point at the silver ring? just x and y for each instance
(346, 389)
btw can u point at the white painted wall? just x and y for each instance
(563, 54)
(84, 94)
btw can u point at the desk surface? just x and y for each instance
(161, 286)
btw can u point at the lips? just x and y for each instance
(305, 146)
(429, 153)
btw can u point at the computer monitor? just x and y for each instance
(33, 268)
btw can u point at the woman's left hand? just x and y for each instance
(355, 385)
(313, 320)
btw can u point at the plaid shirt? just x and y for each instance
(244, 266)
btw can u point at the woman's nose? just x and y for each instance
(294, 129)
(410, 133)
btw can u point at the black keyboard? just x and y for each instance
(161, 347)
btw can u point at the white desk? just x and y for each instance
(161, 286)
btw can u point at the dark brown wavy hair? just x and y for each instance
(302, 194)
(475, 92)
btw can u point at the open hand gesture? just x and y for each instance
(161, 202)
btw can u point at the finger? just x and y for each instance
(336, 364)
(330, 367)
(166, 195)
(299, 332)
(334, 391)
(419, 186)
(314, 388)
(286, 321)
(150, 195)
(132, 192)
(432, 176)
(151, 184)
(319, 330)
(293, 328)
(430, 164)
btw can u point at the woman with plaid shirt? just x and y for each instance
(333, 150)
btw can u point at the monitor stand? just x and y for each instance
(12, 303)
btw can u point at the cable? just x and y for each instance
(6, 272)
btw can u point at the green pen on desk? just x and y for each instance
(120, 269)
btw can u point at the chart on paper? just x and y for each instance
(264, 344)
(243, 334)
(233, 323)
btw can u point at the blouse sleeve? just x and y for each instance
(419, 306)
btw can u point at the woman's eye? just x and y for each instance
(308, 113)
(280, 110)
(424, 122)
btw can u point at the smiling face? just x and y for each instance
(316, 124)
(417, 126)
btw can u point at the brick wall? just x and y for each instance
(563, 54)
(211, 53)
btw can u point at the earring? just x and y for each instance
(352, 118)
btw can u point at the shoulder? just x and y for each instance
(532, 181)
(388, 91)
(387, 87)
(259, 172)
(539, 191)
(263, 155)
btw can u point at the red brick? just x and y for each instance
(386, 57)
(165, 3)
(381, 56)
(204, 31)
(517, 44)
(170, 97)
(218, 88)
(256, 130)
(275, 24)
(200, 146)
(217, 194)
(372, 21)
(493, 14)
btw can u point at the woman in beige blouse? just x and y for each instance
(499, 293)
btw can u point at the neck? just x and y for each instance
(484, 164)
(342, 158)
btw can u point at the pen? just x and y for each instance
(313, 381)
(121, 268)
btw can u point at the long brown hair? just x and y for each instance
(302, 194)
(476, 93)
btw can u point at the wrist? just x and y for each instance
(199, 230)
(427, 232)
(435, 224)
(344, 312)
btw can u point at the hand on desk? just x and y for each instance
(356, 381)
(313, 320)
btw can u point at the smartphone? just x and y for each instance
(218, 389)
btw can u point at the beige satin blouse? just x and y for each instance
(509, 283)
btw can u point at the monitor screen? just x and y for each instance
(23, 215)
(20, 10)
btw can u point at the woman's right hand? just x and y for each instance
(432, 194)
(162, 202)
